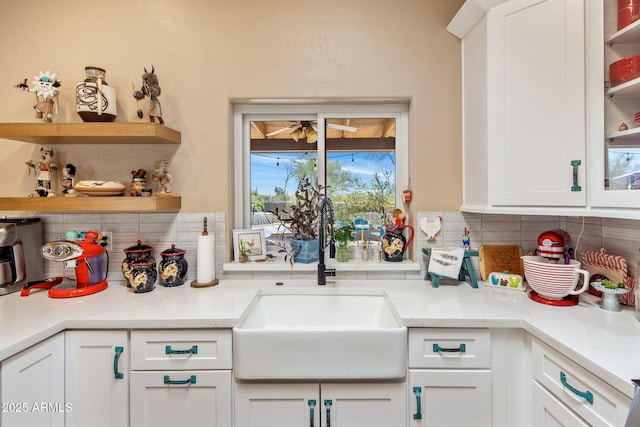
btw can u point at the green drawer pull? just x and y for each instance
(418, 414)
(312, 407)
(191, 380)
(461, 349)
(116, 359)
(328, 403)
(587, 394)
(192, 350)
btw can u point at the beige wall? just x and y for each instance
(207, 52)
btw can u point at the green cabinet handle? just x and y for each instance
(168, 380)
(116, 359)
(575, 164)
(312, 407)
(192, 350)
(587, 394)
(418, 414)
(461, 349)
(328, 403)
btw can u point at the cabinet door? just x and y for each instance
(548, 411)
(33, 386)
(97, 378)
(180, 398)
(536, 103)
(450, 398)
(277, 405)
(371, 404)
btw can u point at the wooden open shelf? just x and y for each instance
(90, 133)
(91, 204)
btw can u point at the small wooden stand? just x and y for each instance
(465, 271)
(196, 284)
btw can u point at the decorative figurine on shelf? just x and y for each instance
(466, 239)
(150, 88)
(68, 181)
(46, 167)
(46, 88)
(138, 182)
(162, 176)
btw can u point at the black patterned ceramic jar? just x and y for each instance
(143, 275)
(173, 266)
(134, 253)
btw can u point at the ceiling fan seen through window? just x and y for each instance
(308, 129)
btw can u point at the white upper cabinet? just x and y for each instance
(524, 104)
(536, 103)
(614, 152)
(541, 127)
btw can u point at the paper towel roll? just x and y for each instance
(205, 259)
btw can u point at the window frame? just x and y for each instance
(244, 113)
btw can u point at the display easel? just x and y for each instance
(465, 271)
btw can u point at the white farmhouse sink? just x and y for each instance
(319, 336)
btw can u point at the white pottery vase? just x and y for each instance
(95, 100)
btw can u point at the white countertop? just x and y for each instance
(604, 342)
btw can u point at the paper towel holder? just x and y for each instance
(215, 281)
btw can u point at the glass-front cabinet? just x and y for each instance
(615, 132)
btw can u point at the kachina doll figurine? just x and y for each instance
(138, 182)
(45, 169)
(162, 176)
(46, 88)
(68, 181)
(150, 88)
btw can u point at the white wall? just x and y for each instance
(207, 53)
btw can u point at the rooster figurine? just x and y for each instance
(431, 228)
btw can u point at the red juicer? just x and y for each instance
(86, 256)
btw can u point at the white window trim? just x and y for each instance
(245, 112)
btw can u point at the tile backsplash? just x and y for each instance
(160, 230)
(615, 236)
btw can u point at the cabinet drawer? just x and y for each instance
(449, 348)
(587, 395)
(549, 411)
(180, 398)
(180, 349)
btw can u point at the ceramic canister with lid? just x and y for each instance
(143, 275)
(134, 253)
(173, 266)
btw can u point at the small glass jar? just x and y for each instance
(376, 255)
(342, 252)
(365, 253)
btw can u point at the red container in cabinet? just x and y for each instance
(624, 70)
(628, 12)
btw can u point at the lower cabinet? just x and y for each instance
(32, 391)
(450, 398)
(450, 377)
(566, 394)
(180, 377)
(326, 404)
(179, 398)
(147, 378)
(97, 379)
(549, 411)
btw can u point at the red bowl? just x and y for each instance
(626, 3)
(624, 70)
(628, 15)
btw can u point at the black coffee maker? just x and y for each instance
(20, 260)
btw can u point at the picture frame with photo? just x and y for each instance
(253, 240)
